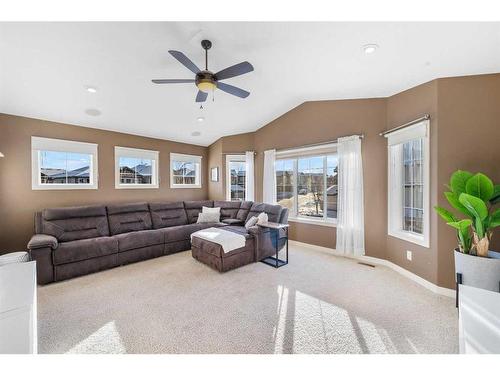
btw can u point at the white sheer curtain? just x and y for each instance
(249, 185)
(350, 215)
(269, 178)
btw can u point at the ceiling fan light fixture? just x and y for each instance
(206, 85)
(370, 48)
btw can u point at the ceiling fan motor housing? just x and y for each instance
(206, 81)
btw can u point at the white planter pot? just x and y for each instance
(479, 272)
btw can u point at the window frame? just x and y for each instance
(395, 175)
(140, 154)
(230, 158)
(175, 157)
(304, 152)
(39, 144)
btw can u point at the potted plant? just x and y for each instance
(474, 198)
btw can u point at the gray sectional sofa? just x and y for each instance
(75, 241)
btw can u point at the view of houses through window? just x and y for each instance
(58, 167)
(236, 177)
(184, 173)
(307, 186)
(135, 170)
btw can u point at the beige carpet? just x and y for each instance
(319, 303)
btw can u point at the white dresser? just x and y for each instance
(18, 328)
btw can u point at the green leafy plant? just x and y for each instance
(473, 196)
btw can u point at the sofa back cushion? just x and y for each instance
(129, 217)
(193, 209)
(273, 211)
(168, 214)
(228, 209)
(73, 223)
(244, 210)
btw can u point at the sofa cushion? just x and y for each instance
(239, 230)
(273, 211)
(183, 232)
(228, 209)
(74, 251)
(193, 209)
(74, 223)
(138, 239)
(168, 214)
(129, 217)
(244, 210)
(233, 221)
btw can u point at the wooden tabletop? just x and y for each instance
(272, 225)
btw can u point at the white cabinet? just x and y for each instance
(18, 329)
(479, 320)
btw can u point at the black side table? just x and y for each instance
(275, 261)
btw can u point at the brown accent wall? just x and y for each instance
(18, 201)
(401, 108)
(469, 138)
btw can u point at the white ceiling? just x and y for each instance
(44, 68)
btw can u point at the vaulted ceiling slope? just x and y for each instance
(45, 69)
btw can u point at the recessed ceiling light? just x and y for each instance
(91, 89)
(195, 134)
(92, 112)
(200, 119)
(370, 48)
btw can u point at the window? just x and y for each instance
(185, 171)
(408, 193)
(60, 164)
(135, 168)
(306, 183)
(235, 177)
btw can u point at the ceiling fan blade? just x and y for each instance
(233, 90)
(172, 80)
(184, 60)
(201, 96)
(235, 70)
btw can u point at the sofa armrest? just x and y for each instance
(265, 241)
(39, 241)
(40, 248)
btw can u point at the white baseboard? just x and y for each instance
(382, 262)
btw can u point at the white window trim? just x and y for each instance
(141, 154)
(309, 151)
(320, 222)
(230, 158)
(59, 145)
(186, 158)
(394, 209)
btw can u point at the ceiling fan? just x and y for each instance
(207, 81)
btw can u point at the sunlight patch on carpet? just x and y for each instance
(106, 340)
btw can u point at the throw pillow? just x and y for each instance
(213, 211)
(251, 222)
(207, 210)
(262, 218)
(208, 217)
